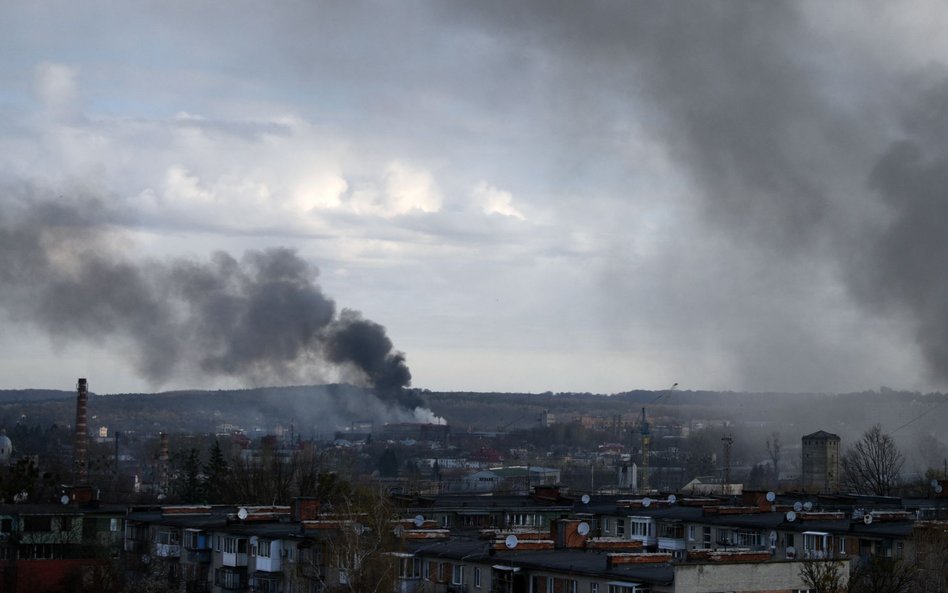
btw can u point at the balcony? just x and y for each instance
(168, 550)
(198, 556)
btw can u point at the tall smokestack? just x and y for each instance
(81, 440)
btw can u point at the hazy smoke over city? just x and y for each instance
(807, 170)
(261, 318)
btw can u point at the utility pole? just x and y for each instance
(728, 441)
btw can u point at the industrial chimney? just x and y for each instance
(82, 436)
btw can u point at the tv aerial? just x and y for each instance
(511, 542)
(582, 528)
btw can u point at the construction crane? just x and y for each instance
(647, 439)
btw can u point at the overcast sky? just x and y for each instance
(529, 196)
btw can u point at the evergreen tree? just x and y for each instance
(216, 472)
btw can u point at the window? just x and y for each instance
(228, 578)
(691, 533)
(523, 519)
(477, 577)
(113, 524)
(217, 543)
(641, 527)
(593, 587)
(842, 545)
(266, 584)
(37, 523)
(409, 568)
(572, 586)
(706, 537)
(426, 571)
(457, 575)
(630, 588)
(606, 525)
(263, 548)
(445, 523)
(167, 538)
(620, 528)
(672, 530)
(235, 545)
(747, 538)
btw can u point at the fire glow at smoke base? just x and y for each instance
(262, 318)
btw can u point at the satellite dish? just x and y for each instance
(771, 496)
(672, 499)
(791, 516)
(808, 506)
(359, 528)
(791, 552)
(646, 502)
(934, 483)
(511, 542)
(867, 519)
(242, 513)
(939, 489)
(585, 499)
(64, 499)
(798, 506)
(253, 540)
(419, 520)
(582, 528)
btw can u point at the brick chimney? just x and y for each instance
(81, 440)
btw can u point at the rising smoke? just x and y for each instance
(261, 319)
(805, 147)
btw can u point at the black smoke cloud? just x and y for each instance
(262, 318)
(804, 150)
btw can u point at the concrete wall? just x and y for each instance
(741, 577)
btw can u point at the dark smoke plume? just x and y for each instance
(803, 150)
(261, 318)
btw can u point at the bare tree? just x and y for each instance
(773, 451)
(882, 575)
(359, 557)
(823, 576)
(873, 464)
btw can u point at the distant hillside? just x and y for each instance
(33, 395)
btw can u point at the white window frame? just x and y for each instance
(477, 577)
(457, 574)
